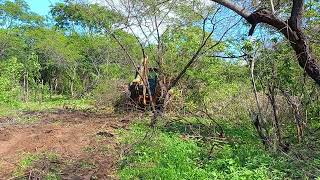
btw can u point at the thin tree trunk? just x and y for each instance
(24, 88)
(55, 85)
(272, 6)
(276, 125)
(259, 120)
(51, 89)
(273, 102)
(27, 87)
(41, 99)
(254, 85)
(36, 93)
(71, 88)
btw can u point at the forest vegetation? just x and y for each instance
(240, 95)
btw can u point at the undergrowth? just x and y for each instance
(172, 154)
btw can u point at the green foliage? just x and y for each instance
(11, 44)
(278, 66)
(283, 60)
(54, 62)
(215, 79)
(92, 16)
(165, 157)
(11, 72)
(25, 163)
(16, 13)
(77, 62)
(181, 45)
(170, 156)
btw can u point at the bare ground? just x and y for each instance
(85, 142)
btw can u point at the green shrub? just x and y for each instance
(10, 90)
(165, 157)
(169, 155)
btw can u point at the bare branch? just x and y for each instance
(191, 61)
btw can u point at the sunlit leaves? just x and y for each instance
(11, 72)
(16, 13)
(92, 17)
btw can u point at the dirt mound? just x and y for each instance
(73, 135)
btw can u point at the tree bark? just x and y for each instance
(276, 124)
(291, 29)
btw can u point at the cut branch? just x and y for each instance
(192, 60)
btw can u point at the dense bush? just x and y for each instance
(10, 75)
(171, 155)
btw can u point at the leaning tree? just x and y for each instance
(291, 28)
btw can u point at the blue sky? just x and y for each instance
(41, 7)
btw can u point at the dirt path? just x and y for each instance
(86, 143)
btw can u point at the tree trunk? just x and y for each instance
(27, 86)
(305, 57)
(55, 85)
(297, 40)
(71, 88)
(24, 88)
(258, 120)
(290, 28)
(276, 125)
(41, 99)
